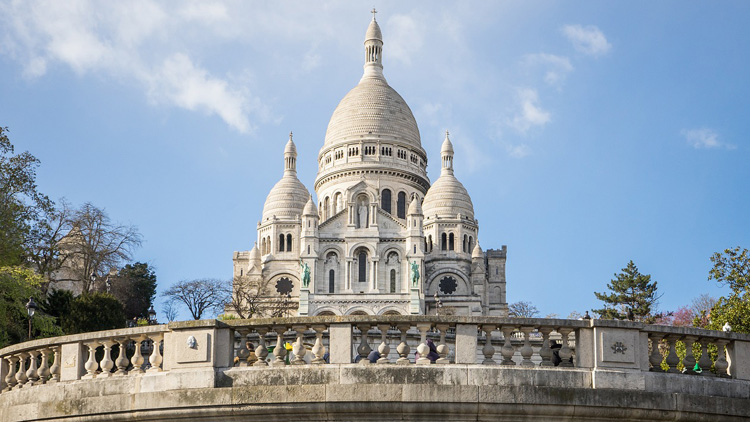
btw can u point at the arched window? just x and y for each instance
(289, 243)
(451, 242)
(263, 246)
(471, 244)
(241, 271)
(429, 243)
(443, 242)
(401, 205)
(327, 209)
(393, 281)
(338, 204)
(385, 200)
(466, 243)
(281, 243)
(363, 267)
(331, 280)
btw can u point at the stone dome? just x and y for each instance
(310, 208)
(287, 198)
(254, 255)
(373, 31)
(373, 108)
(447, 197)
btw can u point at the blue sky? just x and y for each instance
(587, 133)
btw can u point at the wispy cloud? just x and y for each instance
(530, 113)
(704, 138)
(557, 67)
(518, 151)
(587, 39)
(405, 37)
(127, 43)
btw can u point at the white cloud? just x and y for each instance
(405, 37)
(557, 67)
(180, 82)
(530, 113)
(518, 151)
(587, 39)
(704, 138)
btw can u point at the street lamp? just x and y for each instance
(151, 315)
(31, 309)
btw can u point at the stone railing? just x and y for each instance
(601, 345)
(82, 356)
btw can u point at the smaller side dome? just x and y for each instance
(254, 256)
(447, 147)
(310, 208)
(288, 197)
(290, 148)
(477, 252)
(447, 197)
(373, 31)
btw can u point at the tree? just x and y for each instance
(94, 312)
(20, 202)
(633, 296)
(17, 285)
(248, 297)
(95, 245)
(732, 268)
(58, 305)
(522, 309)
(135, 287)
(43, 242)
(170, 310)
(200, 296)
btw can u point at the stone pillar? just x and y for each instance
(340, 343)
(466, 343)
(73, 358)
(739, 359)
(348, 276)
(374, 275)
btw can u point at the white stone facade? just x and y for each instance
(377, 222)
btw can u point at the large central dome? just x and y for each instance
(373, 108)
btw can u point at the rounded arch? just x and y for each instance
(356, 192)
(391, 310)
(335, 249)
(353, 249)
(358, 310)
(327, 311)
(387, 251)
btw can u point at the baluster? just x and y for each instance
(243, 353)
(21, 374)
(656, 358)
(299, 347)
(137, 359)
(442, 347)
(91, 364)
(384, 349)
(507, 350)
(721, 363)
(44, 371)
(705, 361)
(10, 378)
(55, 369)
(122, 357)
(364, 349)
(31, 373)
(262, 350)
(672, 358)
(107, 363)
(403, 348)
(423, 349)
(546, 351)
(318, 349)
(565, 352)
(689, 361)
(526, 350)
(488, 350)
(155, 359)
(279, 351)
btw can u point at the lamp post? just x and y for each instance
(151, 316)
(31, 309)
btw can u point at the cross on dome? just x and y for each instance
(373, 11)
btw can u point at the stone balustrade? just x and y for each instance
(333, 353)
(100, 354)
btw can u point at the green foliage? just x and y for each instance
(630, 291)
(17, 285)
(58, 305)
(135, 287)
(732, 267)
(20, 203)
(734, 310)
(94, 312)
(226, 317)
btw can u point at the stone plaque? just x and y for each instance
(618, 346)
(192, 347)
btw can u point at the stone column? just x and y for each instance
(340, 343)
(466, 343)
(374, 275)
(73, 359)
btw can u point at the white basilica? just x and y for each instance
(382, 239)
